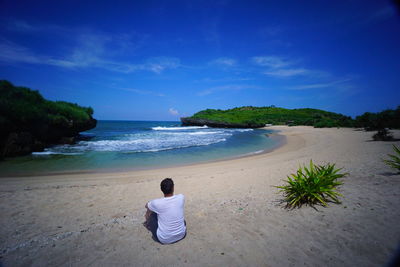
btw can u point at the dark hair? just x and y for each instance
(167, 186)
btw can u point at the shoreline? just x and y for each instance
(280, 141)
(233, 211)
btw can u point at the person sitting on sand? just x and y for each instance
(165, 216)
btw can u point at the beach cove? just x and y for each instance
(115, 146)
(233, 211)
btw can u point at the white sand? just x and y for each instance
(232, 210)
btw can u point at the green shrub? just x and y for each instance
(327, 123)
(314, 185)
(382, 135)
(58, 121)
(394, 160)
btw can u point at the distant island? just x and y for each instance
(256, 117)
(28, 122)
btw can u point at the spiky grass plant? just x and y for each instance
(394, 160)
(314, 185)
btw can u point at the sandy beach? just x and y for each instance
(233, 211)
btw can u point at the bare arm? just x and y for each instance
(148, 213)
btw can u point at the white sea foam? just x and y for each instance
(240, 130)
(145, 145)
(46, 153)
(158, 139)
(254, 153)
(171, 148)
(185, 133)
(150, 142)
(196, 133)
(162, 128)
(202, 133)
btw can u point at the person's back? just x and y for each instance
(168, 213)
(171, 223)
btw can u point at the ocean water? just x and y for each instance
(130, 145)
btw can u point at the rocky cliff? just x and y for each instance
(19, 143)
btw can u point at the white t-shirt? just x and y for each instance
(171, 222)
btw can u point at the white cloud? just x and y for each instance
(89, 53)
(287, 72)
(117, 43)
(224, 80)
(227, 88)
(14, 53)
(25, 27)
(173, 111)
(284, 68)
(271, 61)
(88, 49)
(224, 61)
(159, 64)
(20, 26)
(142, 92)
(319, 85)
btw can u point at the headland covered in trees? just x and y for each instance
(28, 122)
(256, 117)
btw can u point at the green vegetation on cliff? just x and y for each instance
(259, 116)
(41, 121)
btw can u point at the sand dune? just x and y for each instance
(233, 212)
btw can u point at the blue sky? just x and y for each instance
(159, 60)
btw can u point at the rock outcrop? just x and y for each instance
(23, 143)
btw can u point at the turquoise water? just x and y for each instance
(130, 145)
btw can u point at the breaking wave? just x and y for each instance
(152, 139)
